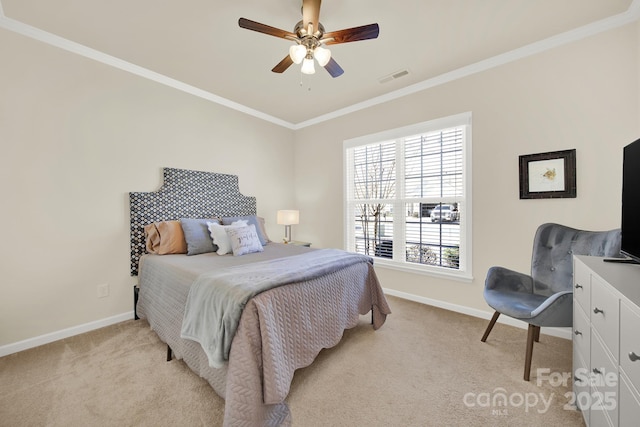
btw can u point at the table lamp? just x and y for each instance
(288, 218)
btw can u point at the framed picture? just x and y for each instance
(548, 175)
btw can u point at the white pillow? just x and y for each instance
(244, 240)
(219, 235)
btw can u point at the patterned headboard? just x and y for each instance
(185, 194)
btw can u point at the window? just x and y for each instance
(408, 196)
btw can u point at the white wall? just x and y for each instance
(76, 137)
(583, 95)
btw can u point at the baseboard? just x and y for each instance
(65, 333)
(87, 327)
(556, 332)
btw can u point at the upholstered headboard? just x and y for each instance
(185, 194)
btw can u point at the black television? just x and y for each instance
(631, 202)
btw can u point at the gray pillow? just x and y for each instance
(251, 219)
(197, 236)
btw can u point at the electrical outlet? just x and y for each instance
(103, 290)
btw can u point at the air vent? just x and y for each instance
(393, 76)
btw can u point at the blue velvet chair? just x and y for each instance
(545, 298)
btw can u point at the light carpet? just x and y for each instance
(425, 367)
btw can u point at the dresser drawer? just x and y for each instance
(582, 285)
(604, 381)
(604, 315)
(599, 419)
(581, 333)
(581, 386)
(630, 343)
(629, 405)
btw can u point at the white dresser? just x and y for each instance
(606, 341)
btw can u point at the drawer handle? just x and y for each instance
(597, 371)
(597, 310)
(577, 332)
(633, 357)
(579, 286)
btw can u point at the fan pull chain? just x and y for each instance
(302, 82)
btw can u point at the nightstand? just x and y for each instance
(299, 243)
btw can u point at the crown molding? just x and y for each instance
(630, 15)
(87, 52)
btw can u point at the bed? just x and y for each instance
(280, 329)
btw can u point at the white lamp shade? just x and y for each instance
(297, 52)
(307, 66)
(322, 55)
(288, 217)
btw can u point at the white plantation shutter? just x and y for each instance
(407, 194)
(433, 164)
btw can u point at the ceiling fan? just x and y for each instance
(310, 38)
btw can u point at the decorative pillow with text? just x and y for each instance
(251, 219)
(219, 235)
(244, 240)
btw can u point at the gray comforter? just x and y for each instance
(280, 330)
(216, 298)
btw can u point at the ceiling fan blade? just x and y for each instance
(333, 68)
(265, 29)
(311, 14)
(283, 65)
(354, 34)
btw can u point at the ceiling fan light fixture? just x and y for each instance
(297, 53)
(307, 66)
(322, 55)
(309, 34)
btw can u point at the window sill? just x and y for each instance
(459, 276)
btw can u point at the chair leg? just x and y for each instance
(537, 336)
(490, 326)
(531, 334)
